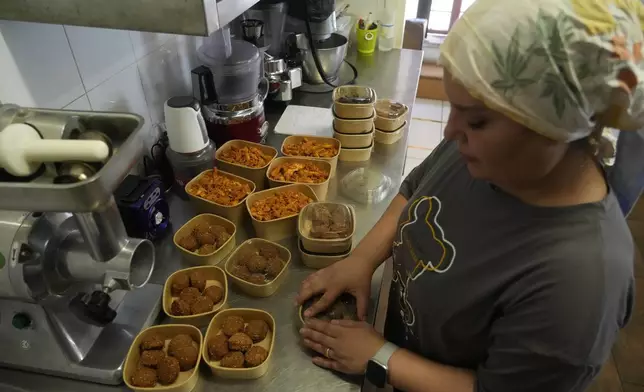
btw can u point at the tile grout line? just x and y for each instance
(71, 50)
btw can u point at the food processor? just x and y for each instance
(231, 89)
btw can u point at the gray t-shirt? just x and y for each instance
(531, 298)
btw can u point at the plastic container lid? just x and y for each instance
(327, 221)
(366, 186)
(242, 55)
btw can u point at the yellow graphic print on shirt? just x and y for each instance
(428, 231)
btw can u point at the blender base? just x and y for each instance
(49, 339)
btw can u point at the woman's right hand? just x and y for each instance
(350, 275)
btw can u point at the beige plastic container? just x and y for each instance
(389, 124)
(320, 189)
(294, 139)
(234, 213)
(360, 126)
(215, 277)
(268, 343)
(207, 259)
(319, 261)
(256, 175)
(359, 140)
(383, 137)
(356, 154)
(322, 245)
(352, 110)
(277, 229)
(187, 380)
(259, 290)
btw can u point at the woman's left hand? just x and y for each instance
(346, 346)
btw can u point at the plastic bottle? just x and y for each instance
(387, 26)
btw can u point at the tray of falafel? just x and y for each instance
(166, 357)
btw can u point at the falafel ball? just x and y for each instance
(151, 358)
(233, 359)
(256, 264)
(203, 304)
(215, 293)
(188, 242)
(180, 307)
(269, 252)
(222, 237)
(255, 356)
(179, 283)
(232, 325)
(168, 371)
(206, 238)
(256, 279)
(218, 347)
(207, 249)
(181, 340)
(241, 271)
(187, 357)
(144, 377)
(240, 342)
(198, 280)
(273, 268)
(190, 295)
(153, 342)
(257, 330)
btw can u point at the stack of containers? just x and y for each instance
(390, 121)
(325, 232)
(353, 121)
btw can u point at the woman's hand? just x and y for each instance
(350, 275)
(345, 345)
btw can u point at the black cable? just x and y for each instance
(314, 53)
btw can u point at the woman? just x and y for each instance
(512, 259)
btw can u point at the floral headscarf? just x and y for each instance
(559, 67)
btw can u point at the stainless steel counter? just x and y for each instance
(394, 75)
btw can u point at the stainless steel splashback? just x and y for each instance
(190, 17)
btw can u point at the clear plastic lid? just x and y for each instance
(242, 55)
(387, 108)
(366, 186)
(327, 221)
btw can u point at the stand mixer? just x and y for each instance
(73, 291)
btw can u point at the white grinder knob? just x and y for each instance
(22, 150)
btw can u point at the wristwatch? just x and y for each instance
(377, 367)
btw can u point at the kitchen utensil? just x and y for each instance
(212, 258)
(215, 276)
(331, 53)
(235, 77)
(389, 137)
(268, 343)
(305, 120)
(23, 150)
(259, 290)
(190, 151)
(320, 189)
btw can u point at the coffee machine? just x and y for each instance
(73, 285)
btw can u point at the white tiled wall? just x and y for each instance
(82, 68)
(426, 130)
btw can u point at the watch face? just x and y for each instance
(376, 374)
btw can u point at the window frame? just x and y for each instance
(424, 9)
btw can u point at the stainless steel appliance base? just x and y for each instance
(40, 338)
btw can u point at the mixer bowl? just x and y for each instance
(331, 53)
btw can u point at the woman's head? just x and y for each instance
(524, 82)
(496, 148)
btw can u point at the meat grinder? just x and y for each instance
(73, 292)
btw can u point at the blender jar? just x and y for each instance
(235, 77)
